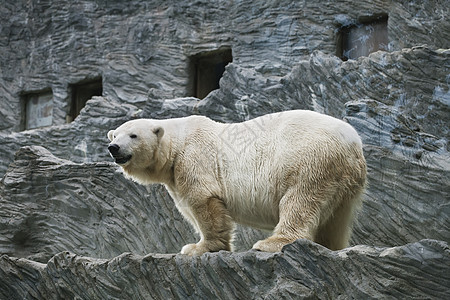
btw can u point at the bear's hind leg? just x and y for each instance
(215, 225)
(335, 232)
(299, 218)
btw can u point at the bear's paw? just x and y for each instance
(195, 249)
(271, 244)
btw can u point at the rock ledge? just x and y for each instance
(302, 270)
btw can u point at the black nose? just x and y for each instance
(114, 149)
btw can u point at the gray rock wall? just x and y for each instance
(413, 82)
(60, 191)
(142, 48)
(51, 205)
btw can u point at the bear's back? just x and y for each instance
(259, 157)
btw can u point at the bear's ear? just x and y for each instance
(111, 135)
(159, 131)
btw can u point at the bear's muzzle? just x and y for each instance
(114, 150)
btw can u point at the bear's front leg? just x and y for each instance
(211, 218)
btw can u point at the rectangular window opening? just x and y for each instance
(37, 109)
(206, 69)
(366, 36)
(82, 92)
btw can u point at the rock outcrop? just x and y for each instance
(51, 205)
(303, 270)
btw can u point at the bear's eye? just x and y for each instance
(133, 136)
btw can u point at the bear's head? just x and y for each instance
(134, 145)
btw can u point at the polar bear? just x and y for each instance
(299, 174)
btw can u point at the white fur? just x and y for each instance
(266, 173)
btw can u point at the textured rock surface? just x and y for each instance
(72, 211)
(302, 270)
(50, 205)
(142, 48)
(82, 207)
(70, 197)
(82, 140)
(409, 181)
(413, 82)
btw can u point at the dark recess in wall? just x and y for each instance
(81, 92)
(367, 35)
(206, 69)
